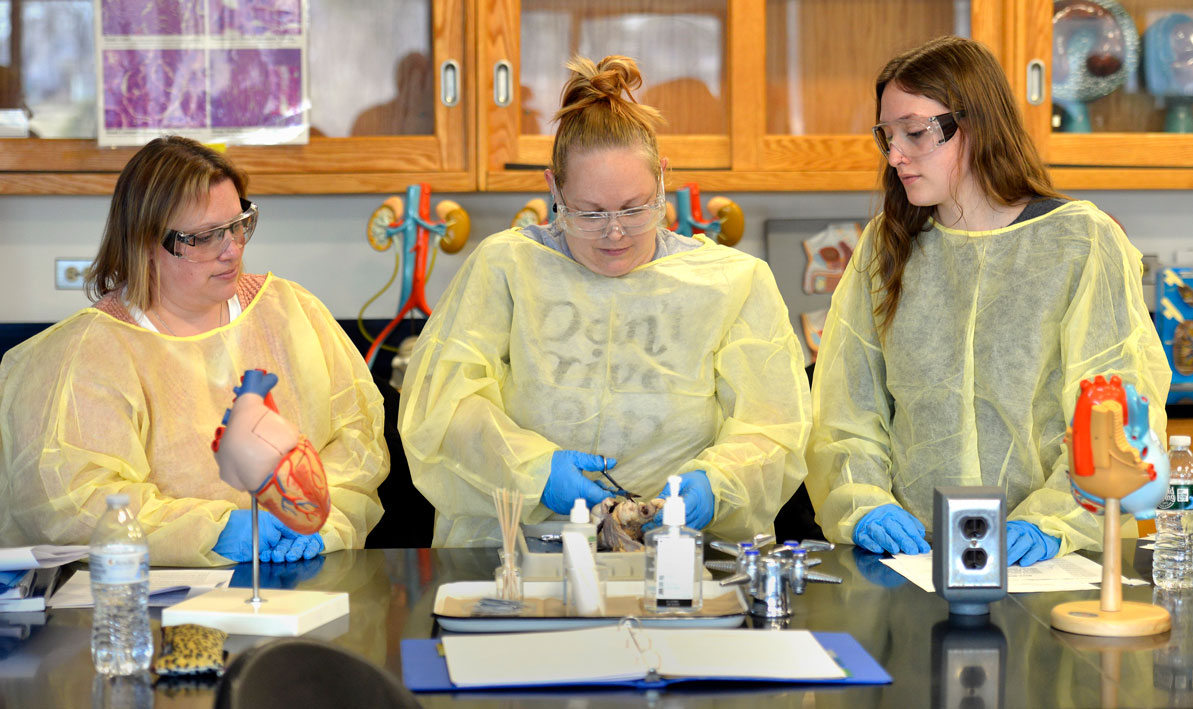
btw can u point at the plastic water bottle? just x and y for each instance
(121, 643)
(1172, 561)
(122, 691)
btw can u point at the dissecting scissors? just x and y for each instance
(616, 487)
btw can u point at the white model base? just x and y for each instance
(282, 613)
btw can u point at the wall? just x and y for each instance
(320, 241)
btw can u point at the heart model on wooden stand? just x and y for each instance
(1116, 462)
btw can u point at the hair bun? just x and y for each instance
(615, 74)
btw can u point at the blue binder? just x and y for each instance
(424, 669)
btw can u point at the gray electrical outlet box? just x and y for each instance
(969, 553)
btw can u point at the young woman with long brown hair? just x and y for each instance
(973, 307)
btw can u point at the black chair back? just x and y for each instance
(308, 674)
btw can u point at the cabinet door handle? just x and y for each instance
(1035, 82)
(503, 79)
(449, 83)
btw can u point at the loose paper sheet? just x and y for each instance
(164, 585)
(39, 557)
(1062, 573)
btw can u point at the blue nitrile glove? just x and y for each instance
(890, 528)
(699, 504)
(278, 542)
(8, 578)
(566, 482)
(1026, 544)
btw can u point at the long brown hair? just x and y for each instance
(163, 178)
(595, 114)
(963, 75)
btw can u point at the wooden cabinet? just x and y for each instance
(793, 82)
(378, 71)
(686, 51)
(758, 95)
(1126, 146)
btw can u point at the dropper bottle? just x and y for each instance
(580, 521)
(674, 560)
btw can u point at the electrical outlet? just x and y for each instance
(68, 273)
(969, 547)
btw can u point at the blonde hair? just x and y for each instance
(962, 75)
(164, 177)
(594, 114)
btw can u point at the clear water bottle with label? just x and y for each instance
(1172, 561)
(121, 643)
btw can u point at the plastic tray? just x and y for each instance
(724, 607)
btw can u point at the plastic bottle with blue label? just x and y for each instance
(1172, 560)
(674, 560)
(121, 643)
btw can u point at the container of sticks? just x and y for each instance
(508, 574)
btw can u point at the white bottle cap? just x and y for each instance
(119, 499)
(675, 513)
(1178, 441)
(579, 512)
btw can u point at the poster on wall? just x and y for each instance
(808, 258)
(218, 71)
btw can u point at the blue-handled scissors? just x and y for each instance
(616, 487)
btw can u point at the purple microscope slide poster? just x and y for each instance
(146, 18)
(154, 88)
(211, 69)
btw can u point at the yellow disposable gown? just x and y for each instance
(94, 405)
(980, 369)
(686, 363)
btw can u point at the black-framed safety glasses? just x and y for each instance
(916, 137)
(208, 244)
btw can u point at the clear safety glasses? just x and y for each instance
(915, 137)
(208, 244)
(596, 225)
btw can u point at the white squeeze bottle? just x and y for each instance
(581, 587)
(674, 560)
(121, 643)
(1172, 560)
(580, 522)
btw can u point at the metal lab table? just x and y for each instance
(1014, 659)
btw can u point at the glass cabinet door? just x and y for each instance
(1120, 82)
(822, 57)
(389, 103)
(682, 50)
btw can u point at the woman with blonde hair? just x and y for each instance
(604, 343)
(975, 304)
(124, 396)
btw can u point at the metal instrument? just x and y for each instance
(617, 488)
(771, 579)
